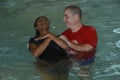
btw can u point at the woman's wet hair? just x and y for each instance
(35, 24)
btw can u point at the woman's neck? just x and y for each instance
(42, 33)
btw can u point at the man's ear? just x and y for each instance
(77, 17)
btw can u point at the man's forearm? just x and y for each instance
(80, 47)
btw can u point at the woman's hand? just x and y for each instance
(42, 37)
(38, 38)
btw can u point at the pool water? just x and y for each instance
(16, 27)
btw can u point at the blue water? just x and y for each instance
(16, 27)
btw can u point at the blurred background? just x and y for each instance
(16, 28)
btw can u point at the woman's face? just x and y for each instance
(42, 25)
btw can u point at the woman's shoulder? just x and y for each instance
(31, 40)
(36, 42)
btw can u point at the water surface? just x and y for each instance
(16, 27)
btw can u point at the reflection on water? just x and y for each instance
(16, 27)
(55, 71)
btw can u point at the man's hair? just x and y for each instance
(75, 10)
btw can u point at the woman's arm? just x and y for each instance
(57, 40)
(38, 50)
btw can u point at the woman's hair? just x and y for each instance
(35, 24)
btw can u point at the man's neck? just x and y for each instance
(76, 27)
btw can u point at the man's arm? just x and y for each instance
(38, 50)
(77, 47)
(80, 47)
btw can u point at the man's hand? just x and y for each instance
(63, 38)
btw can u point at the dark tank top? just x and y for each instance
(52, 53)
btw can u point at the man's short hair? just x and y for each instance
(75, 10)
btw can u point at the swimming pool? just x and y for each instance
(16, 27)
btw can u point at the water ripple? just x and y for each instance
(18, 66)
(9, 78)
(118, 43)
(116, 30)
(4, 50)
(9, 3)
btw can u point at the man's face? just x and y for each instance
(68, 18)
